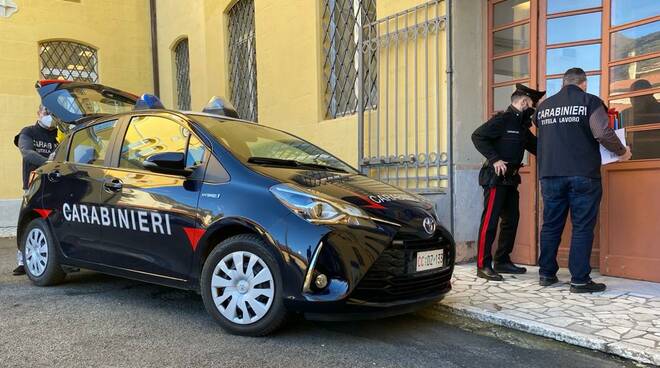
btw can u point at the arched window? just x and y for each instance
(182, 74)
(243, 59)
(68, 60)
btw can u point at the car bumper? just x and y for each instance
(371, 275)
(353, 309)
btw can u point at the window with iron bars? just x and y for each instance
(343, 20)
(243, 60)
(67, 60)
(182, 74)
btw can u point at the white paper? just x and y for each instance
(607, 156)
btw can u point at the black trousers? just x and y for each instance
(500, 204)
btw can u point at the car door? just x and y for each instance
(153, 215)
(73, 190)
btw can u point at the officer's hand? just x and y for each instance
(500, 167)
(626, 156)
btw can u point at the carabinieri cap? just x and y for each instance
(531, 93)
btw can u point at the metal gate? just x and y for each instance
(403, 125)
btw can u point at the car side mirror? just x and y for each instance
(172, 163)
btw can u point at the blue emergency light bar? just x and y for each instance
(218, 106)
(147, 101)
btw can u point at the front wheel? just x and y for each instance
(40, 255)
(241, 286)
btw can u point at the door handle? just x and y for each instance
(54, 175)
(113, 185)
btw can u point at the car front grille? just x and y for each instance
(392, 277)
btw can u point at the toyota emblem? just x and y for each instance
(429, 225)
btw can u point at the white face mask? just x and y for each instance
(46, 121)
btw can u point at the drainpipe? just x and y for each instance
(154, 46)
(360, 109)
(450, 74)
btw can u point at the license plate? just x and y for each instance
(430, 260)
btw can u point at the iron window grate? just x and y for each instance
(67, 60)
(342, 22)
(182, 65)
(243, 60)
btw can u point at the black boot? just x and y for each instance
(589, 287)
(18, 271)
(489, 274)
(509, 267)
(547, 281)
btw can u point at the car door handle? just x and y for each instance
(113, 185)
(54, 175)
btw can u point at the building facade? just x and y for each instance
(101, 41)
(393, 87)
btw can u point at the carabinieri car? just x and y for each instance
(261, 223)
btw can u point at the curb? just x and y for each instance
(8, 232)
(621, 349)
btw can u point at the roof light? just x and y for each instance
(147, 101)
(218, 106)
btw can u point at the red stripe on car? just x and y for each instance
(45, 82)
(43, 212)
(194, 234)
(372, 204)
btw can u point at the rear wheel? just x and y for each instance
(241, 286)
(40, 255)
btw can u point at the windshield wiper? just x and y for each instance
(291, 163)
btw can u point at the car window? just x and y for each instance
(196, 151)
(89, 145)
(215, 173)
(148, 135)
(61, 151)
(87, 101)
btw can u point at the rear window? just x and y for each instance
(89, 145)
(88, 101)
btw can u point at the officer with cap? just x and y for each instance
(503, 140)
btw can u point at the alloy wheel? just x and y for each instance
(242, 287)
(36, 252)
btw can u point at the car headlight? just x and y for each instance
(319, 210)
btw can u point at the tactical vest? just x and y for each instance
(566, 145)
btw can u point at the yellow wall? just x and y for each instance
(289, 52)
(289, 63)
(118, 29)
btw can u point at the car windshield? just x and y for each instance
(88, 101)
(255, 144)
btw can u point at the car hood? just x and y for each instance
(380, 200)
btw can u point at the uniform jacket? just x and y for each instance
(505, 137)
(36, 144)
(570, 125)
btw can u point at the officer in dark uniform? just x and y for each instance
(503, 140)
(36, 142)
(571, 124)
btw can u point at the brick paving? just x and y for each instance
(623, 320)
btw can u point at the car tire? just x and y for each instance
(40, 255)
(244, 298)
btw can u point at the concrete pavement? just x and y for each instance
(623, 320)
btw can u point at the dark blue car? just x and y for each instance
(259, 222)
